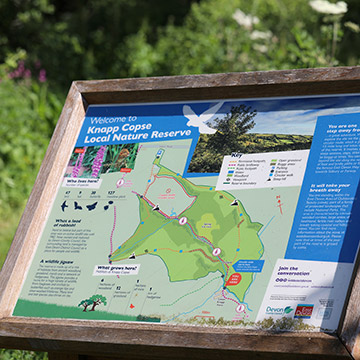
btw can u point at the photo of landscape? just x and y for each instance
(233, 135)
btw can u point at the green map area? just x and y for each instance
(195, 230)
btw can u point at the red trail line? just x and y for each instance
(112, 231)
(226, 298)
(202, 251)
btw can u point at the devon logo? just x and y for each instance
(279, 311)
(288, 310)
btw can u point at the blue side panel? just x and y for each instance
(326, 225)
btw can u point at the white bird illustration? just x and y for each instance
(200, 120)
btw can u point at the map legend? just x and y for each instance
(230, 171)
(263, 170)
(272, 169)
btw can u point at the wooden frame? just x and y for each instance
(64, 339)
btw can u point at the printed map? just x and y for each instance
(195, 230)
(197, 251)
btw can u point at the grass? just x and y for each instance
(22, 355)
(38, 309)
(8, 225)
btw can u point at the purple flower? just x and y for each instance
(78, 164)
(21, 67)
(42, 75)
(97, 163)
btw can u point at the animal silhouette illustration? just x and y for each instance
(200, 120)
(64, 206)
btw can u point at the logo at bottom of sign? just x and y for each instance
(324, 313)
(304, 311)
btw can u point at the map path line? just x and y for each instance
(227, 267)
(248, 290)
(151, 175)
(263, 229)
(203, 252)
(145, 237)
(194, 197)
(226, 298)
(139, 226)
(177, 251)
(162, 167)
(149, 181)
(238, 247)
(195, 308)
(201, 238)
(181, 185)
(112, 232)
(192, 292)
(236, 302)
(152, 205)
(223, 194)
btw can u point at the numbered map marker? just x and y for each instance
(240, 308)
(216, 252)
(120, 183)
(183, 220)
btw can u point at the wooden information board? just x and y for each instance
(194, 216)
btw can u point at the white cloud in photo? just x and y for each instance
(295, 116)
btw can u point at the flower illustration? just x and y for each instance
(97, 163)
(78, 164)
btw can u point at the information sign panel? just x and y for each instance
(223, 205)
(226, 212)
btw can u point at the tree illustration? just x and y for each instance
(229, 138)
(236, 123)
(97, 300)
(86, 303)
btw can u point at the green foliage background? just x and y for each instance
(89, 39)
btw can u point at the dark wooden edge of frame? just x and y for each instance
(232, 85)
(133, 340)
(156, 341)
